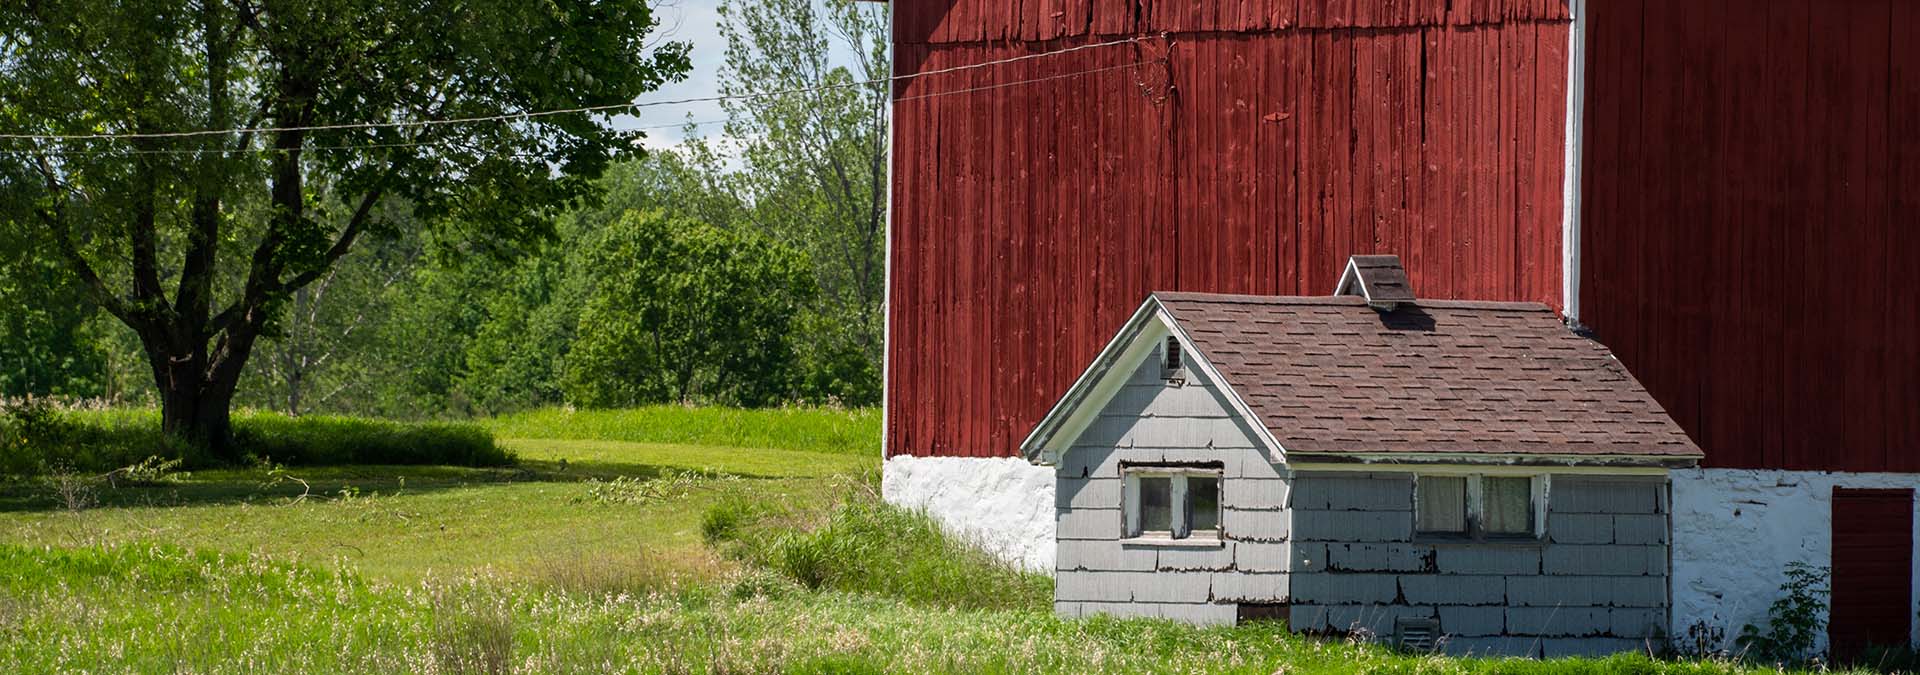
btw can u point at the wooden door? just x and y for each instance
(1872, 569)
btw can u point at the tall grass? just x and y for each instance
(37, 439)
(139, 609)
(865, 545)
(845, 431)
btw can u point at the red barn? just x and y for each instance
(1718, 191)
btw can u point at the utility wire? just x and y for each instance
(179, 151)
(566, 111)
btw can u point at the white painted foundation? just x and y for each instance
(1735, 530)
(1004, 504)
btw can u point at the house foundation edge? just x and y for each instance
(1004, 505)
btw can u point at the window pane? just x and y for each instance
(1443, 504)
(1509, 506)
(1203, 503)
(1156, 503)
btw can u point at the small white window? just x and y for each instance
(1478, 506)
(1172, 502)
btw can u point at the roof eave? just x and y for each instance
(1501, 459)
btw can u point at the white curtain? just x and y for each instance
(1443, 504)
(1509, 503)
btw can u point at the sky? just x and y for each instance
(696, 22)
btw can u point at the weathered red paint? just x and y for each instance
(1245, 147)
(1872, 569)
(1748, 230)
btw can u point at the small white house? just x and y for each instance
(1469, 476)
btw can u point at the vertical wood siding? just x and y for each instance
(1747, 222)
(1249, 149)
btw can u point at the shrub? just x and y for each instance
(868, 546)
(37, 439)
(320, 440)
(1794, 620)
(839, 431)
(723, 520)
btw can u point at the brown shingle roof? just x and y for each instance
(1333, 376)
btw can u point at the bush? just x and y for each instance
(849, 431)
(684, 311)
(869, 546)
(319, 440)
(39, 439)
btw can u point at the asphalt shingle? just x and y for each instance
(1330, 375)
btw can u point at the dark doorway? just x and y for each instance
(1872, 569)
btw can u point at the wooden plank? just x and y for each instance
(1872, 553)
(1013, 203)
(1901, 377)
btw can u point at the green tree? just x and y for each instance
(816, 166)
(686, 311)
(48, 337)
(314, 357)
(305, 117)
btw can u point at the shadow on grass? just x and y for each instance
(259, 486)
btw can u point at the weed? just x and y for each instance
(1702, 641)
(869, 546)
(150, 472)
(1794, 620)
(73, 490)
(723, 520)
(671, 485)
(625, 573)
(472, 633)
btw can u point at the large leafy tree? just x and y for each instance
(685, 311)
(301, 119)
(815, 147)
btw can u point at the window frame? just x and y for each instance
(1181, 532)
(1539, 486)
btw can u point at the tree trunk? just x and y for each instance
(200, 416)
(195, 401)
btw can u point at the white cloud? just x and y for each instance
(696, 22)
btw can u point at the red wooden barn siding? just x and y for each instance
(1748, 234)
(1250, 150)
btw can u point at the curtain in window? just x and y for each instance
(1509, 505)
(1156, 504)
(1203, 503)
(1443, 504)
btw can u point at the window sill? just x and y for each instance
(1169, 542)
(1520, 541)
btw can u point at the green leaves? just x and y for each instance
(686, 311)
(263, 139)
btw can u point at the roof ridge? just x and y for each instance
(1245, 299)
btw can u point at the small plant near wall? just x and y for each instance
(1701, 641)
(1794, 621)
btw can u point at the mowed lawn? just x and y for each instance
(409, 522)
(590, 555)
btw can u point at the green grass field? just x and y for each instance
(722, 548)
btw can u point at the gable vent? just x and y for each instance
(1377, 278)
(1173, 367)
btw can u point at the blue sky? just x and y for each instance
(696, 22)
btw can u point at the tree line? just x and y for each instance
(318, 254)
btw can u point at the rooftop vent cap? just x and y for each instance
(1377, 278)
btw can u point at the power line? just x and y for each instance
(178, 151)
(309, 148)
(565, 111)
